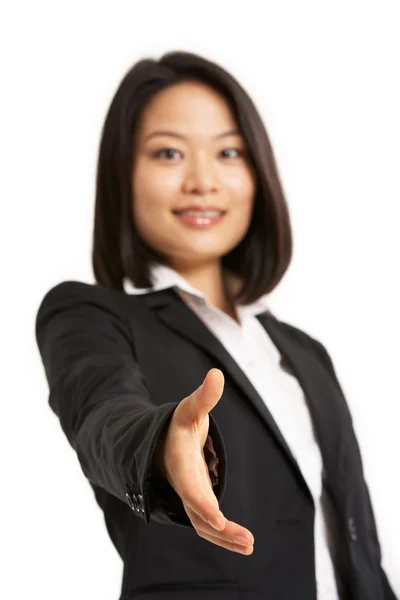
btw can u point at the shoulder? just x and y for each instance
(70, 292)
(306, 340)
(90, 301)
(79, 290)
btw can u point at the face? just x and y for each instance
(199, 163)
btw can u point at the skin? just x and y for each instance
(200, 169)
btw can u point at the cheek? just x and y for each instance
(151, 217)
(242, 203)
(155, 183)
(241, 186)
(153, 195)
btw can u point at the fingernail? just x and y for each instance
(245, 551)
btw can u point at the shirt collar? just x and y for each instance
(164, 277)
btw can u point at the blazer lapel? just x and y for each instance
(321, 395)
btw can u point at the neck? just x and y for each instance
(209, 279)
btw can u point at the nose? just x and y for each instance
(200, 176)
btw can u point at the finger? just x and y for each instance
(231, 533)
(207, 395)
(195, 490)
(247, 550)
(204, 504)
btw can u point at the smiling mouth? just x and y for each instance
(200, 213)
(198, 218)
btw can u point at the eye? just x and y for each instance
(237, 150)
(161, 152)
(168, 153)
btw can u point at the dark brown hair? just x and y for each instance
(262, 256)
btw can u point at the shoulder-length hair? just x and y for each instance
(261, 257)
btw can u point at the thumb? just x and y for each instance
(207, 394)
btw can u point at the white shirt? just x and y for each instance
(253, 350)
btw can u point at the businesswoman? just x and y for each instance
(215, 436)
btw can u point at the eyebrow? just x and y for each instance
(182, 137)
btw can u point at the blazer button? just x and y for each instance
(132, 501)
(135, 502)
(141, 503)
(352, 529)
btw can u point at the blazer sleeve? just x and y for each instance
(388, 591)
(100, 396)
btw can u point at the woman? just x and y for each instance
(216, 437)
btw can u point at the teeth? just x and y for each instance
(205, 213)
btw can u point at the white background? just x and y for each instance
(325, 77)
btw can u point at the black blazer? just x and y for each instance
(117, 365)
